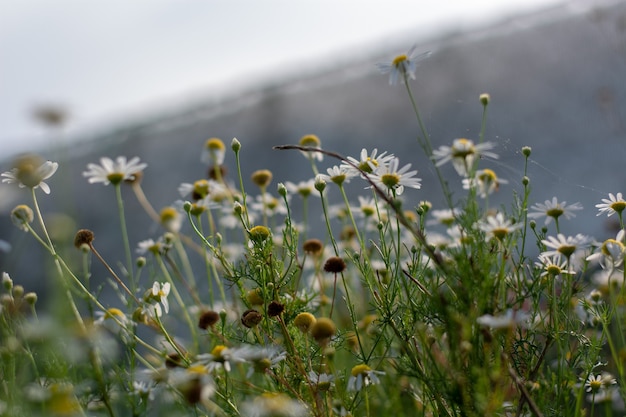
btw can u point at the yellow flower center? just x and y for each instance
(399, 60)
(197, 369)
(168, 214)
(215, 144)
(217, 352)
(310, 140)
(618, 206)
(360, 369)
(567, 250)
(553, 269)
(113, 312)
(555, 212)
(500, 233)
(304, 191)
(611, 242)
(368, 210)
(390, 180)
(595, 384)
(463, 148)
(200, 189)
(338, 179)
(115, 177)
(488, 176)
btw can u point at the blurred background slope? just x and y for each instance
(557, 82)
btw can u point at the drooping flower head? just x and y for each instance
(110, 172)
(312, 141)
(463, 153)
(485, 181)
(610, 254)
(362, 376)
(213, 152)
(30, 171)
(403, 66)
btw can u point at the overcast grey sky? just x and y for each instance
(107, 61)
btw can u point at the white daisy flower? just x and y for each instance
(303, 188)
(611, 253)
(221, 357)
(403, 66)
(393, 179)
(338, 174)
(30, 171)
(614, 204)
(311, 141)
(367, 163)
(565, 246)
(554, 265)
(213, 152)
(323, 381)
(497, 226)
(362, 376)
(553, 209)
(463, 153)
(159, 294)
(447, 217)
(485, 181)
(508, 320)
(110, 172)
(273, 404)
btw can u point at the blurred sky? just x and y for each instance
(110, 61)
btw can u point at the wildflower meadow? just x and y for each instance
(378, 302)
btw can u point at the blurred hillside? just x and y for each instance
(557, 83)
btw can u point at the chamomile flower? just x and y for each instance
(362, 376)
(563, 245)
(595, 383)
(367, 207)
(200, 189)
(324, 382)
(303, 188)
(367, 163)
(463, 153)
(497, 227)
(112, 314)
(485, 181)
(554, 265)
(150, 245)
(110, 172)
(30, 171)
(509, 320)
(614, 204)
(394, 179)
(159, 294)
(311, 141)
(221, 357)
(268, 204)
(611, 253)
(271, 404)
(262, 358)
(213, 152)
(339, 174)
(403, 66)
(553, 209)
(447, 217)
